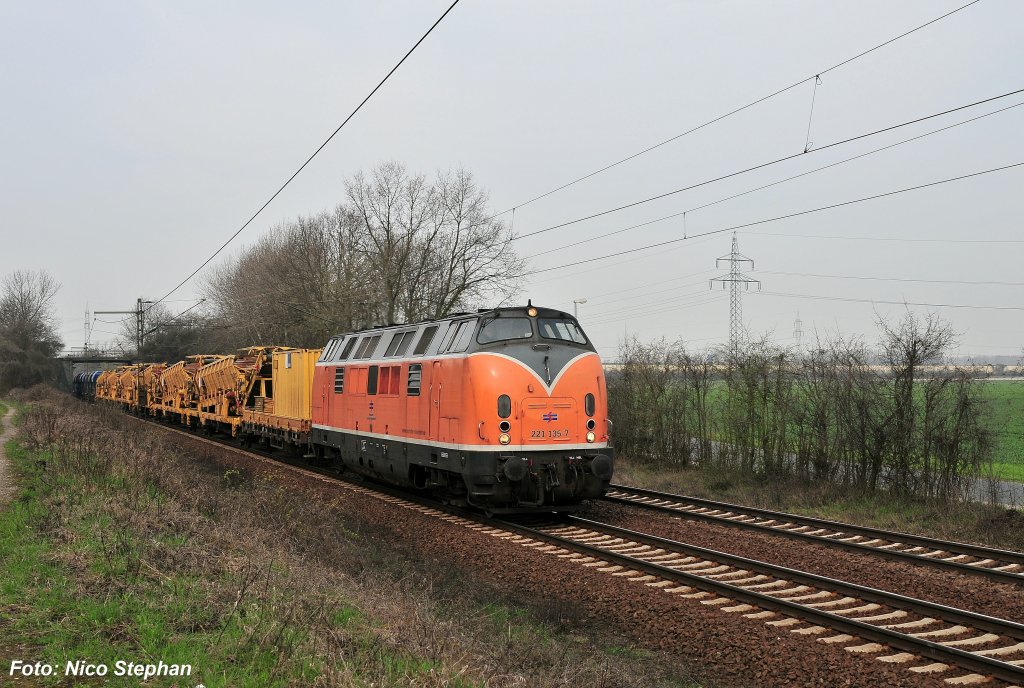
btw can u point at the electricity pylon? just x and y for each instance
(735, 278)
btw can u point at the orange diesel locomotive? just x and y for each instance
(504, 409)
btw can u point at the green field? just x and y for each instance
(1006, 410)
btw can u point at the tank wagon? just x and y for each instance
(84, 384)
(503, 409)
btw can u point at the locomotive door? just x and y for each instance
(435, 399)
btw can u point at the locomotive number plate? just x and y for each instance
(549, 434)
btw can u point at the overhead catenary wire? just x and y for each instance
(893, 279)
(777, 182)
(780, 217)
(310, 158)
(897, 239)
(170, 320)
(820, 297)
(764, 165)
(733, 112)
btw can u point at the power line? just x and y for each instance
(310, 158)
(167, 322)
(717, 298)
(764, 165)
(732, 112)
(819, 297)
(780, 181)
(779, 217)
(650, 293)
(868, 238)
(677, 298)
(894, 279)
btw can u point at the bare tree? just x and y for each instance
(28, 328)
(467, 258)
(399, 249)
(394, 209)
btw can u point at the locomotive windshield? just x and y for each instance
(561, 328)
(501, 329)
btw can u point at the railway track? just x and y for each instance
(924, 636)
(861, 619)
(1003, 565)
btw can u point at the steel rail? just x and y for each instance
(925, 648)
(919, 646)
(726, 514)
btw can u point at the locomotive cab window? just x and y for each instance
(564, 329)
(504, 329)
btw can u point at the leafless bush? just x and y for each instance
(826, 415)
(28, 329)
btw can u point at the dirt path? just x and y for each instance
(6, 475)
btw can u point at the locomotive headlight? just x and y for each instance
(532, 312)
(591, 436)
(504, 438)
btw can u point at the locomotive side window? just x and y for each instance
(405, 343)
(502, 329)
(387, 380)
(448, 336)
(412, 387)
(394, 376)
(396, 339)
(463, 336)
(425, 339)
(366, 350)
(561, 328)
(339, 380)
(325, 355)
(362, 347)
(348, 348)
(371, 380)
(399, 343)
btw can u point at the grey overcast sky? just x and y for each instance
(137, 136)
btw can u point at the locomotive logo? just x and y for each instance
(549, 417)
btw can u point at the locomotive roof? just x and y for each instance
(499, 311)
(465, 333)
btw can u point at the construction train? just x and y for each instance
(505, 409)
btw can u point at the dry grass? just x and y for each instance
(169, 555)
